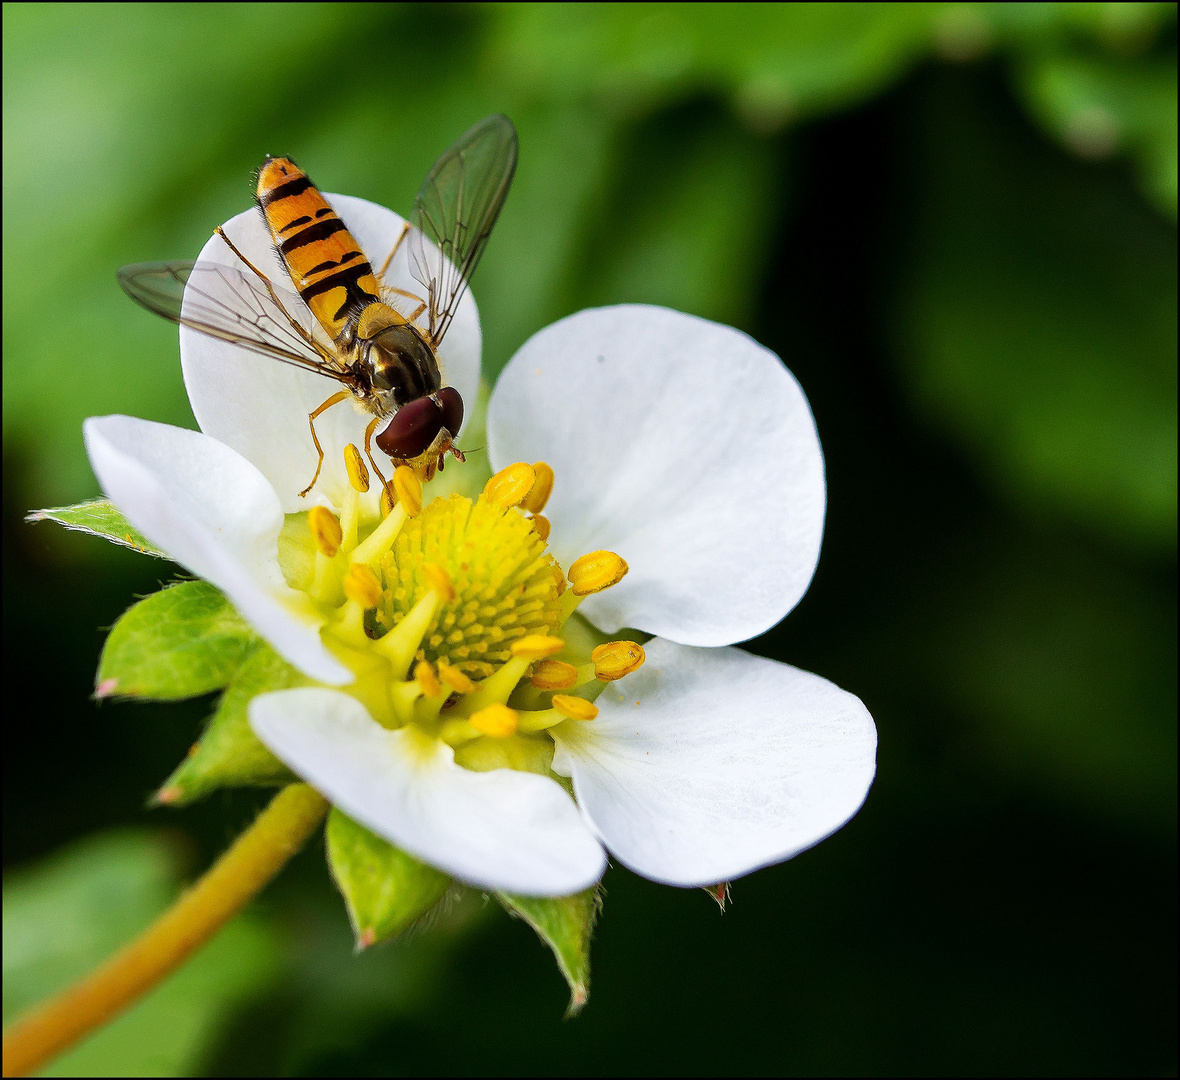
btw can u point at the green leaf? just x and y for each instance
(1060, 660)
(541, 236)
(343, 999)
(178, 643)
(229, 754)
(689, 220)
(1099, 106)
(132, 128)
(565, 924)
(69, 913)
(385, 889)
(1038, 320)
(100, 518)
(779, 60)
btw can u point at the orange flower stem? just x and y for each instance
(244, 870)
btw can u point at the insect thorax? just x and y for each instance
(394, 360)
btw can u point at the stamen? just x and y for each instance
(427, 679)
(537, 646)
(388, 499)
(541, 525)
(454, 678)
(378, 542)
(498, 721)
(358, 471)
(350, 516)
(529, 720)
(325, 530)
(401, 643)
(538, 496)
(408, 489)
(457, 731)
(440, 581)
(575, 708)
(402, 696)
(362, 585)
(559, 577)
(615, 659)
(349, 625)
(596, 571)
(568, 603)
(510, 486)
(496, 688)
(554, 675)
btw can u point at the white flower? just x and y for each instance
(680, 445)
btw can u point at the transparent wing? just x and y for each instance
(233, 306)
(454, 213)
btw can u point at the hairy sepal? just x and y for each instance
(100, 518)
(229, 754)
(181, 642)
(385, 890)
(565, 924)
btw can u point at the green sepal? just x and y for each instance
(181, 642)
(565, 924)
(229, 754)
(384, 889)
(100, 518)
(722, 893)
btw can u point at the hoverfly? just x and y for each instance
(379, 341)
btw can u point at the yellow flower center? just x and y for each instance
(502, 575)
(455, 617)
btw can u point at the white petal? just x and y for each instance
(216, 515)
(707, 764)
(260, 406)
(682, 445)
(503, 829)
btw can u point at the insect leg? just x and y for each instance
(402, 292)
(267, 285)
(389, 259)
(369, 448)
(335, 399)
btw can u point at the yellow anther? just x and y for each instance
(537, 646)
(358, 471)
(408, 489)
(554, 675)
(454, 678)
(616, 659)
(596, 571)
(541, 525)
(510, 486)
(538, 496)
(439, 580)
(388, 499)
(325, 530)
(498, 721)
(427, 679)
(575, 708)
(559, 578)
(362, 585)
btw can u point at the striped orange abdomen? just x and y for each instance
(326, 264)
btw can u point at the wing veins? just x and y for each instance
(454, 213)
(258, 322)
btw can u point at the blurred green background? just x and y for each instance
(957, 225)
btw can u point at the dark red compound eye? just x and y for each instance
(413, 428)
(451, 403)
